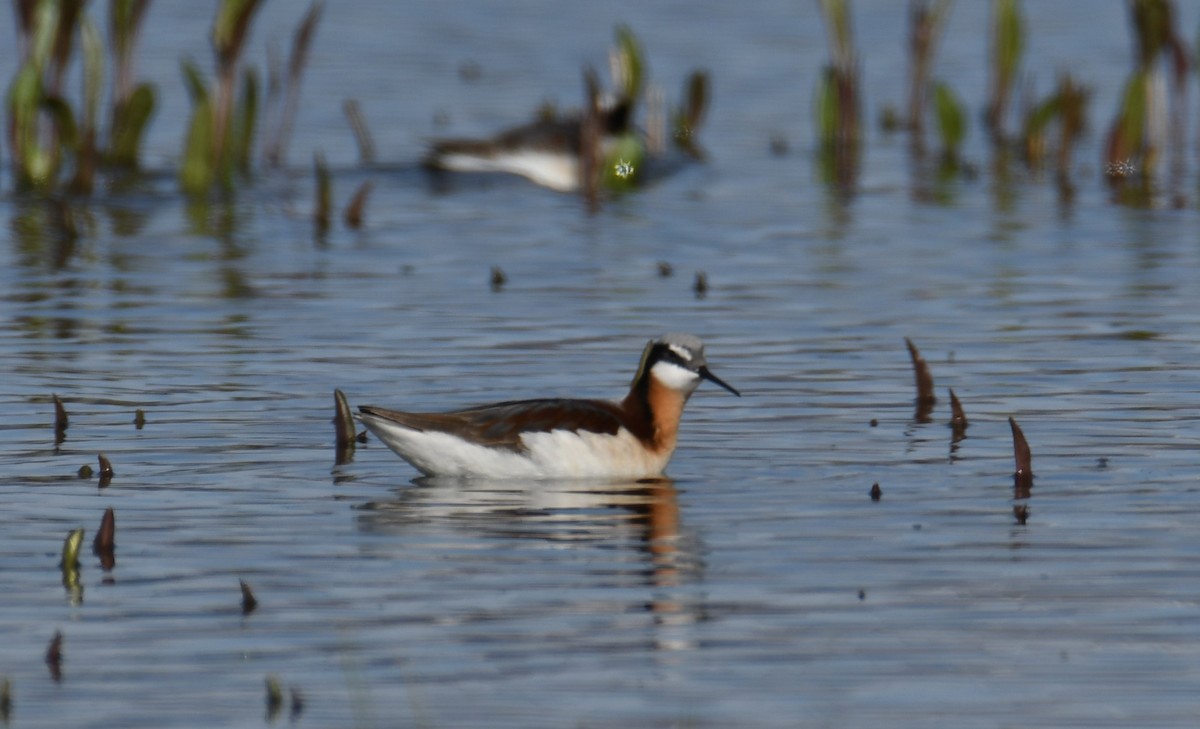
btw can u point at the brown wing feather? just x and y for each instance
(501, 425)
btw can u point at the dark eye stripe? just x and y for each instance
(670, 355)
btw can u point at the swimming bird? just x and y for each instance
(546, 151)
(558, 438)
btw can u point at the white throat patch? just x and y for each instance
(675, 377)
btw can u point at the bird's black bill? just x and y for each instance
(713, 378)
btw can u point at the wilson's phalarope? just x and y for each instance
(546, 151)
(558, 438)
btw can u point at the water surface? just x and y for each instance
(760, 587)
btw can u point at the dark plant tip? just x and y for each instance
(61, 421)
(105, 542)
(274, 696)
(700, 285)
(324, 194)
(470, 71)
(497, 279)
(665, 269)
(924, 380)
(958, 418)
(362, 437)
(139, 418)
(106, 472)
(249, 602)
(85, 471)
(876, 492)
(343, 421)
(54, 656)
(353, 216)
(297, 703)
(1022, 456)
(5, 700)
(778, 145)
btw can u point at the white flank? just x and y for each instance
(557, 171)
(558, 454)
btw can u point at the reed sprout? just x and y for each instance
(49, 130)
(1066, 110)
(220, 134)
(1139, 133)
(133, 103)
(1007, 45)
(925, 23)
(323, 205)
(690, 114)
(951, 122)
(284, 112)
(838, 104)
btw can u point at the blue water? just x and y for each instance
(761, 587)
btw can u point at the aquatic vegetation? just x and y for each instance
(69, 566)
(323, 205)
(61, 421)
(1139, 133)
(1023, 457)
(43, 131)
(274, 699)
(627, 64)
(47, 130)
(106, 469)
(51, 133)
(249, 602)
(926, 398)
(951, 123)
(622, 163)
(689, 116)
(1066, 108)
(838, 105)
(925, 23)
(619, 157)
(133, 103)
(70, 550)
(353, 215)
(958, 418)
(104, 545)
(1007, 45)
(283, 94)
(221, 131)
(54, 656)
(362, 134)
(343, 425)
(6, 701)
(498, 278)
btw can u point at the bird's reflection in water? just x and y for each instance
(640, 518)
